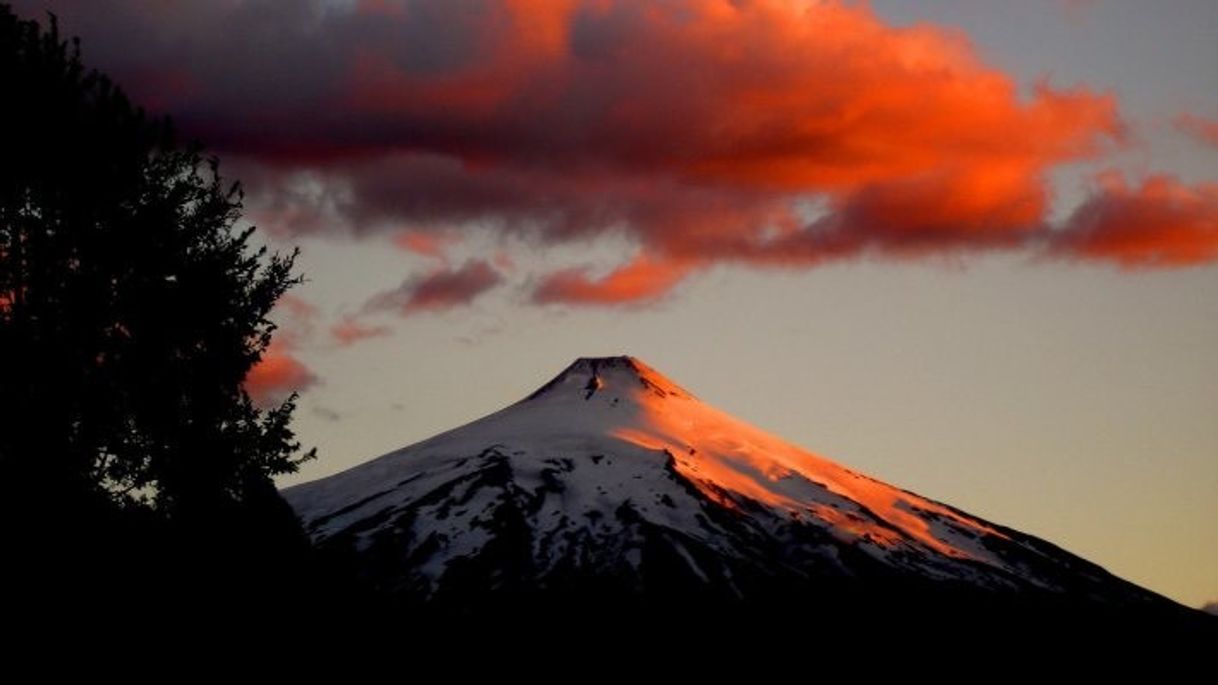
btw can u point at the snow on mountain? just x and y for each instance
(612, 471)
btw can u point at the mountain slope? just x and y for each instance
(612, 481)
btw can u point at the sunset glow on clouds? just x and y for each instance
(1161, 223)
(277, 375)
(641, 279)
(349, 331)
(425, 244)
(1200, 128)
(280, 372)
(701, 130)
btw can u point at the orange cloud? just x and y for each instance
(420, 243)
(277, 375)
(1201, 128)
(764, 93)
(1162, 223)
(348, 331)
(642, 279)
(698, 126)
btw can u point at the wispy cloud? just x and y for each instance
(326, 413)
(423, 243)
(1201, 128)
(440, 289)
(349, 331)
(641, 280)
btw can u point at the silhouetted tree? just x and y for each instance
(131, 310)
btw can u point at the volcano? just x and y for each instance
(612, 486)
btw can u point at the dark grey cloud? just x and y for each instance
(440, 289)
(326, 413)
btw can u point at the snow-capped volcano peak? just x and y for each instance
(621, 377)
(611, 470)
(730, 460)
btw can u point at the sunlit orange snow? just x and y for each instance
(720, 453)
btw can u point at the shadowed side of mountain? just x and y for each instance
(879, 626)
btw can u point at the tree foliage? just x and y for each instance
(132, 306)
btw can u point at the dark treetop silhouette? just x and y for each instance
(131, 310)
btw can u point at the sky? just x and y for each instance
(966, 246)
